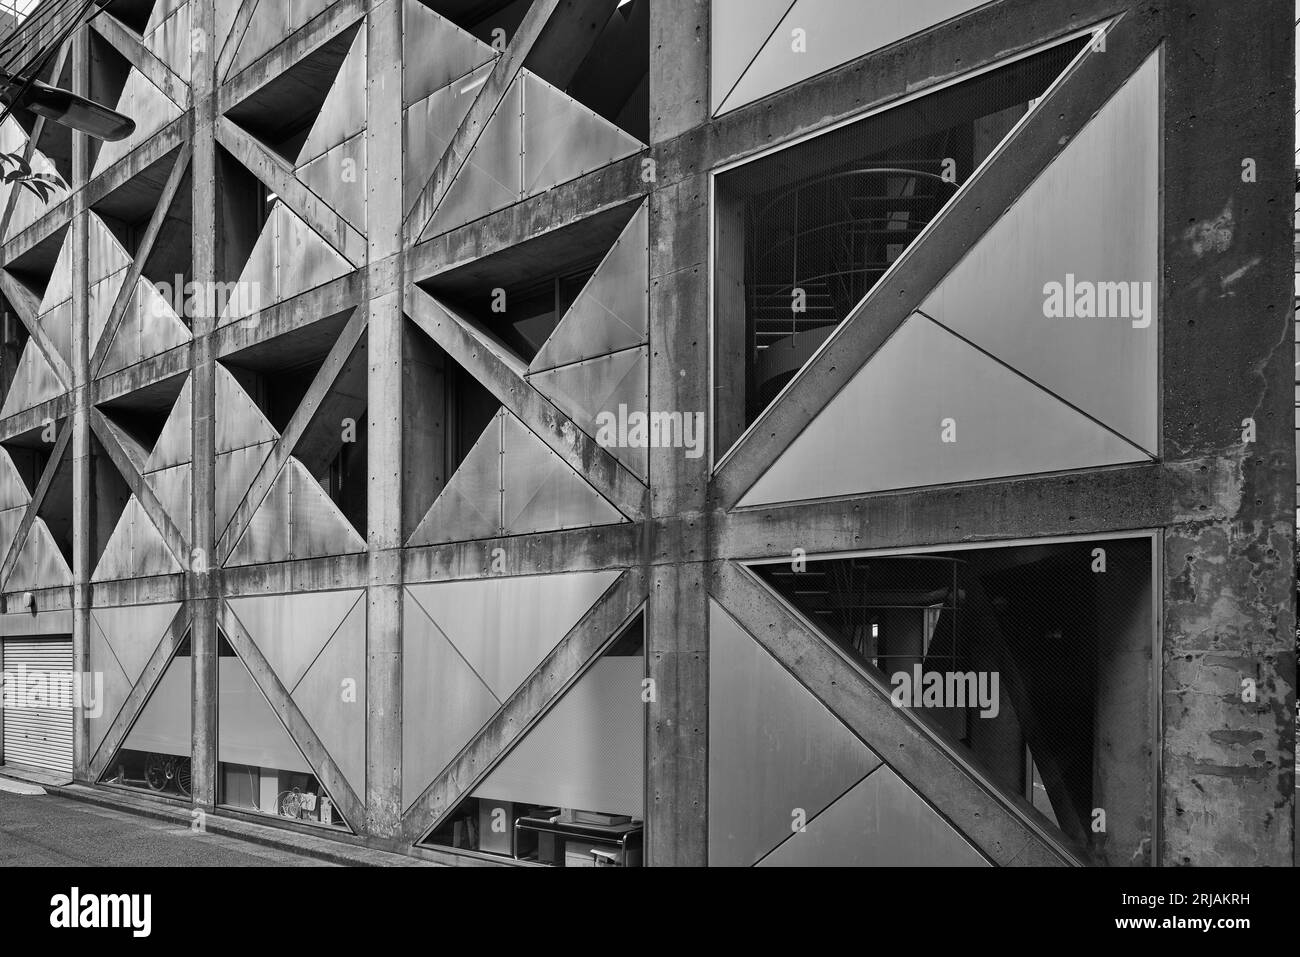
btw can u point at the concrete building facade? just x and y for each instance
(666, 432)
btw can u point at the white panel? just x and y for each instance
(564, 139)
(40, 563)
(880, 823)
(339, 720)
(541, 492)
(290, 630)
(835, 31)
(1094, 214)
(773, 747)
(174, 445)
(430, 124)
(738, 29)
(343, 114)
(133, 632)
(151, 110)
(240, 422)
(164, 723)
(443, 701)
(248, 730)
(588, 752)
(135, 549)
(34, 382)
(504, 627)
(886, 428)
(610, 311)
(436, 52)
(149, 327)
(339, 178)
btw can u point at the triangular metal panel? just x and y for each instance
(135, 549)
(267, 27)
(40, 563)
(249, 731)
(13, 490)
(1106, 185)
(339, 177)
(343, 114)
(303, 11)
(172, 489)
(469, 505)
(443, 701)
(304, 260)
(564, 139)
(296, 520)
(105, 254)
(151, 110)
(57, 325)
(103, 295)
(774, 748)
(10, 520)
(133, 632)
(163, 724)
(430, 125)
(504, 627)
(34, 382)
(170, 40)
(28, 207)
(235, 472)
(164, 9)
(240, 422)
(59, 288)
(930, 409)
(113, 691)
(290, 630)
(881, 822)
(738, 29)
(332, 697)
(436, 52)
(266, 539)
(149, 327)
(610, 313)
(175, 442)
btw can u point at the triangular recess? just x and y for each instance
(610, 312)
(114, 690)
(240, 422)
(776, 748)
(469, 505)
(40, 563)
(588, 750)
(148, 106)
(296, 520)
(339, 178)
(133, 632)
(288, 258)
(504, 627)
(343, 114)
(149, 327)
(881, 822)
(430, 124)
(290, 630)
(436, 52)
(995, 296)
(34, 382)
(930, 409)
(443, 701)
(339, 719)
(136, 548)
(174, 444)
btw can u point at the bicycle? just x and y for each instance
(163, 769)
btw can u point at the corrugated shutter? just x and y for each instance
(38, 737)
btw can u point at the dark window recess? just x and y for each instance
(805, 233)
(1056, 641)
(13, 339)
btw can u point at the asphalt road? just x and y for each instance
(44, 831)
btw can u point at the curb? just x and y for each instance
(11, 786)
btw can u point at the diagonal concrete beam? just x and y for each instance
(25, 304)
(143, 59)
(38, 499)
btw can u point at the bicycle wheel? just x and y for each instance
(289, 803)
(155, 771)
(183, 776)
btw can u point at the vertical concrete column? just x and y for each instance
(82, 488)
(1229, 590)
(202, 577)
(383, 300)
(677, 607)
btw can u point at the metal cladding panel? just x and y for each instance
(151, 110)
(1106, 186)
(163, 10)
(170, 41)
(430, 124)
(317, 526)
(611, 385)
(339, 178)
(834, 32)
(164, 722)
(268, 26)
(564, 139)
(343, 114)
(259, 277)
(40, 563)
(443, 701)
(880, 823)
(773, 748)
(436, 52)
(504, 627)
(34, 382)
(737, 31)
(587, 752)
(266, 539)
(240, 422)
(59, 288)
(610, 312)
(150, 327)
(172, 488)
(135, 549)
(174, 444)
(303, 11)
(540, 491)
(112, 694)
(235, 472)
(10, 519)
(225, 20)
(103, 295)
(303, 259)
(490, 177)
(469, 506)
(248, 730)
(290, 630)
(339, 718)
(106, 255)
(133, 632)
(13, 490)
(930, 409)
(57, 324)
